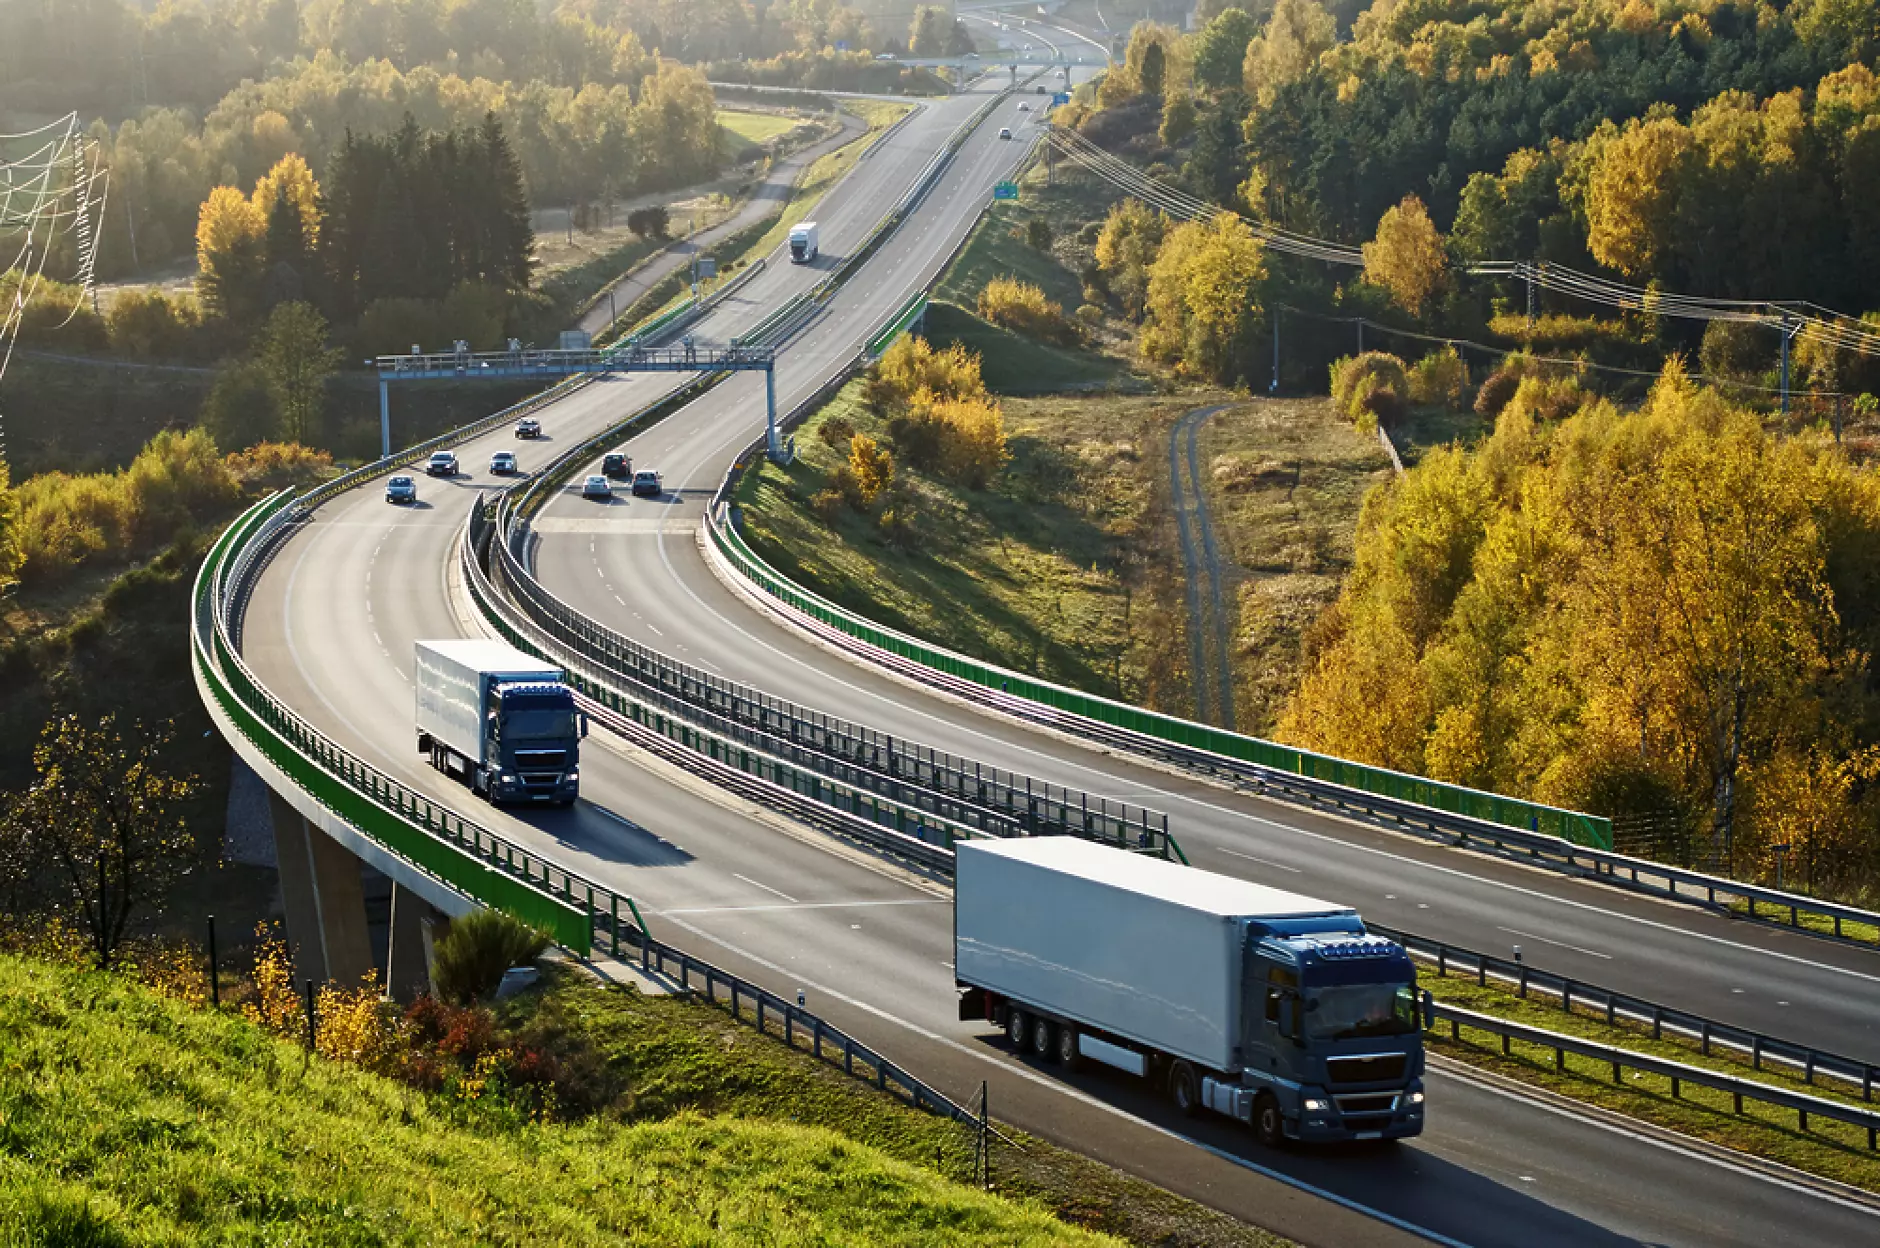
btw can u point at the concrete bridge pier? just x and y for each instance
(409, 960)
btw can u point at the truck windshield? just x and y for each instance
(538, 725)
(1351, 1011)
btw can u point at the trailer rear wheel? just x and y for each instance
(1017, 1027)
(1067, 1052)
(1184, 1089)
(1044, 1035)
(1268, 1123)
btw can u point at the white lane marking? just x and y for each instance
(776, 892)
(810, 905)
(1591, 953)
(655, 629)
(1065, 1089)
(1221, 849)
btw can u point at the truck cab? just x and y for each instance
(534, 742)
(803, 242)
(1331, 1042)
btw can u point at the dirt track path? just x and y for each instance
(1210, 625)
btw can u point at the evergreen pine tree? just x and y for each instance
(510, 237)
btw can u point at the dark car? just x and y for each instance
(503, 463)
(401, 490)
(646, 484)
(528, 427)
(441, 464)
(616, 466)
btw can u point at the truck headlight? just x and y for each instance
(1416, 1098)
(572, 777)
(1315, 1106)
(505, 778)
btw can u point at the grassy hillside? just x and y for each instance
(126, 1118)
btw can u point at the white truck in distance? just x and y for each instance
(802, 242)
(1266, 1006)
(501, 721)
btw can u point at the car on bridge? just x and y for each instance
(441, 464)
(1005, 132)
(647, 484)
(596, 486)
(503, 463)
(616, 466)
(401, 489)
(528, 427)
(1024, 106)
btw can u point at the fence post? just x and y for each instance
(215, 980)
(985, 1140)
(310, 1015)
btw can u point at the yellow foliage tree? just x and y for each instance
(1406, 258)
(1633, 192)
(1126, 246)
(1023, 309)
(292, 177)
(230, 232)
(1204, 296)
(871, 467)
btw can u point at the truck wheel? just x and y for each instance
(1017, 1027)
(1184, 1088)
(1044, 1034)
(1268, 1123)
(1067, 1054)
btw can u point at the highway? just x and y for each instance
(330, 629)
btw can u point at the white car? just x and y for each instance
(1024, 106)
(596, 486)
(503, 463)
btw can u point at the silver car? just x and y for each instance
(503, 463)
(401, 490)
(596, 486)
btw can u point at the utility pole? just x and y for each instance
(1530, 293)
(1786, 331)
(1360, 323)
(1273, 388)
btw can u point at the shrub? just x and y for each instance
(1439, 379)
(828, 505)
(276, 465)
(1038, 233)
(1358, 380)
(967, 436)
(872, 468)
(151, 323)
(240, 410)
(472, 956)
(1090, 314)
(900, 519)
(911, 365)
(1023, 309)
(836, 431)
(1497, 388)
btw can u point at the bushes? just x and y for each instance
(1497, 388)
(150, 323)
(65, 521)
(1370, 389)
(1023, 309)
(277, 465)
(472, 956)
(1439, 379)
(942, 420)
(911, 365)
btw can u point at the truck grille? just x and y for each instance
(541, 760)
(1363, 1106)
(1365, 1068)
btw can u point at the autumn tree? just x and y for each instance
(1126, 246)
(230, 254)
(1203, 298)
(1406, 258)
(1154, 72)
(102, 825)
(10, 556)
(1632, 197)
(295, 359)
(872, 468)
(929, 32)
(1297, 34)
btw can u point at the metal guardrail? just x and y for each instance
(1621, 1060)
(469, 858)
(825, 1041)
(909, 312)
(1756, 1047)
(1025, 698)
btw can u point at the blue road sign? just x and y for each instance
(1005, 190)
(842, 45)
(1062, 97)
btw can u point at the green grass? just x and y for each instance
(1829, 1149)
(130, 1119)
(1285, 479)
(127, 1118)
(1043, 572)
(1820, 924)
(1015, 365)
(754, 128)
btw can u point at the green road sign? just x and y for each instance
(1005, 190)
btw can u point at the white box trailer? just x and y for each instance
(803, 242)
(1274, 1008)
(502, 720)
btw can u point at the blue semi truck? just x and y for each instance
(499, 720)
(1269, 1007)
